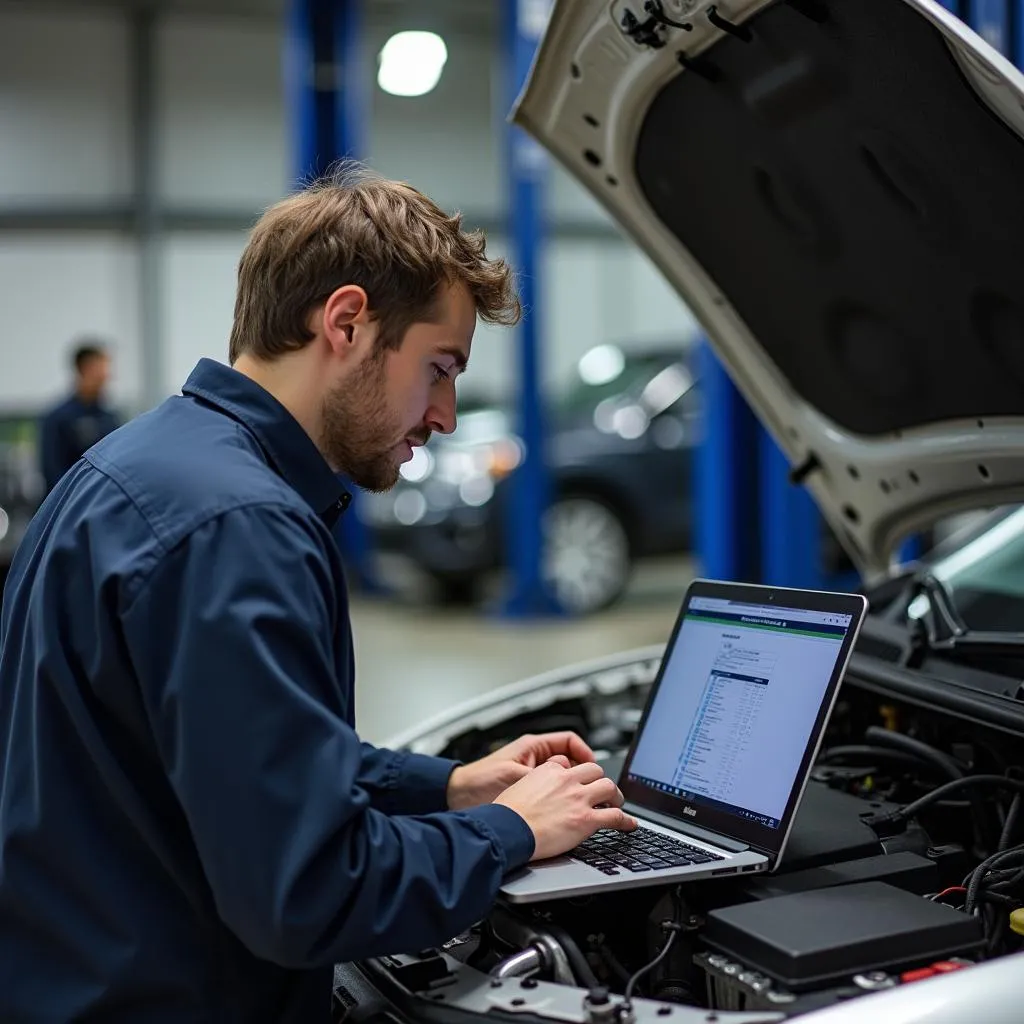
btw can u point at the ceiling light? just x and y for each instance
(411, 63)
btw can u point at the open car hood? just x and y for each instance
(836, 189)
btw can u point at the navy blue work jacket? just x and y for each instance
(67, 432)
(190, 829)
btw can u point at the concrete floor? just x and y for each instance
(414, 659)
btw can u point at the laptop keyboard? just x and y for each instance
(641, 850)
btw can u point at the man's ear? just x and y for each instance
(346, 321)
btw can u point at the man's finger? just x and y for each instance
(614, 817)
(587, 772)
(577, 749)
(604, 791)
(567, 743)
(560, 759)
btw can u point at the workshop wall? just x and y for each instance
(224, 151)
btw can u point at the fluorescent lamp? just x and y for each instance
(411, 63)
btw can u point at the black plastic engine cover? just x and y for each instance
(905, 870)
(813, 939)
(828, 828)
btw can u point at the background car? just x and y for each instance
(618, 451)
(20, 484)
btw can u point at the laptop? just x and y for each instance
(726, 743)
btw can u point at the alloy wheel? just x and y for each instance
(586, 554)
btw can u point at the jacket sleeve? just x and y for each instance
(402, 782)
(231, 636)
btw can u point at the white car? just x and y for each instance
(836, 188)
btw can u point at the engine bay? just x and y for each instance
(906, 862)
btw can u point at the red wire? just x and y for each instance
(946, 892)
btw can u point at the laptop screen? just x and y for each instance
(743, 692)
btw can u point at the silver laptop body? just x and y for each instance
(723, 752)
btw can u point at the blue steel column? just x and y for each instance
(326, 99)
(526, 169)
(1018, 34)
(991, 20)
(301, 99)
(725, 478)
(792, 526)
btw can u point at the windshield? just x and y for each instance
(983, 569)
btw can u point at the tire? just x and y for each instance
(586, 560)
(457, 591)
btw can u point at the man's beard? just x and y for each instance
(359, 432)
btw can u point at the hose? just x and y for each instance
(613, 963)
(974, 885)
(1009, 824)
(867, 752)
(899, 741)
(984, 828)
(577, 961)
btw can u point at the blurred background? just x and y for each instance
(140, 141)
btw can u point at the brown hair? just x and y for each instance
(353, 227)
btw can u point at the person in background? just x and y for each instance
(71, 428)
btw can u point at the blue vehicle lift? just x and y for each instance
(725, 478)
(989, 18)
(325, 95)
(526, 163)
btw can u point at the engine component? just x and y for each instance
(560, 957)
(828, 828)
(824, 937)
(600, 1008)
(731, 986)
(518, 965)
(906, 870)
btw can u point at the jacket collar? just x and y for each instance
(288, 447)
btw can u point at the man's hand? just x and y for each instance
(563, 805)
(480, 782)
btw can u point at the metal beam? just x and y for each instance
(122, 217)
(118, 217)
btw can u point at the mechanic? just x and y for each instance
(71, 428)
(191, 829)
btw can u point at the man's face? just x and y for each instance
(396, 398)
(94, 376)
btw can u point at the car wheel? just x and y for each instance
(457, 591)
(586, 554)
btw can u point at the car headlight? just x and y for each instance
(492, 461)
(503, 457)
(476, 491)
